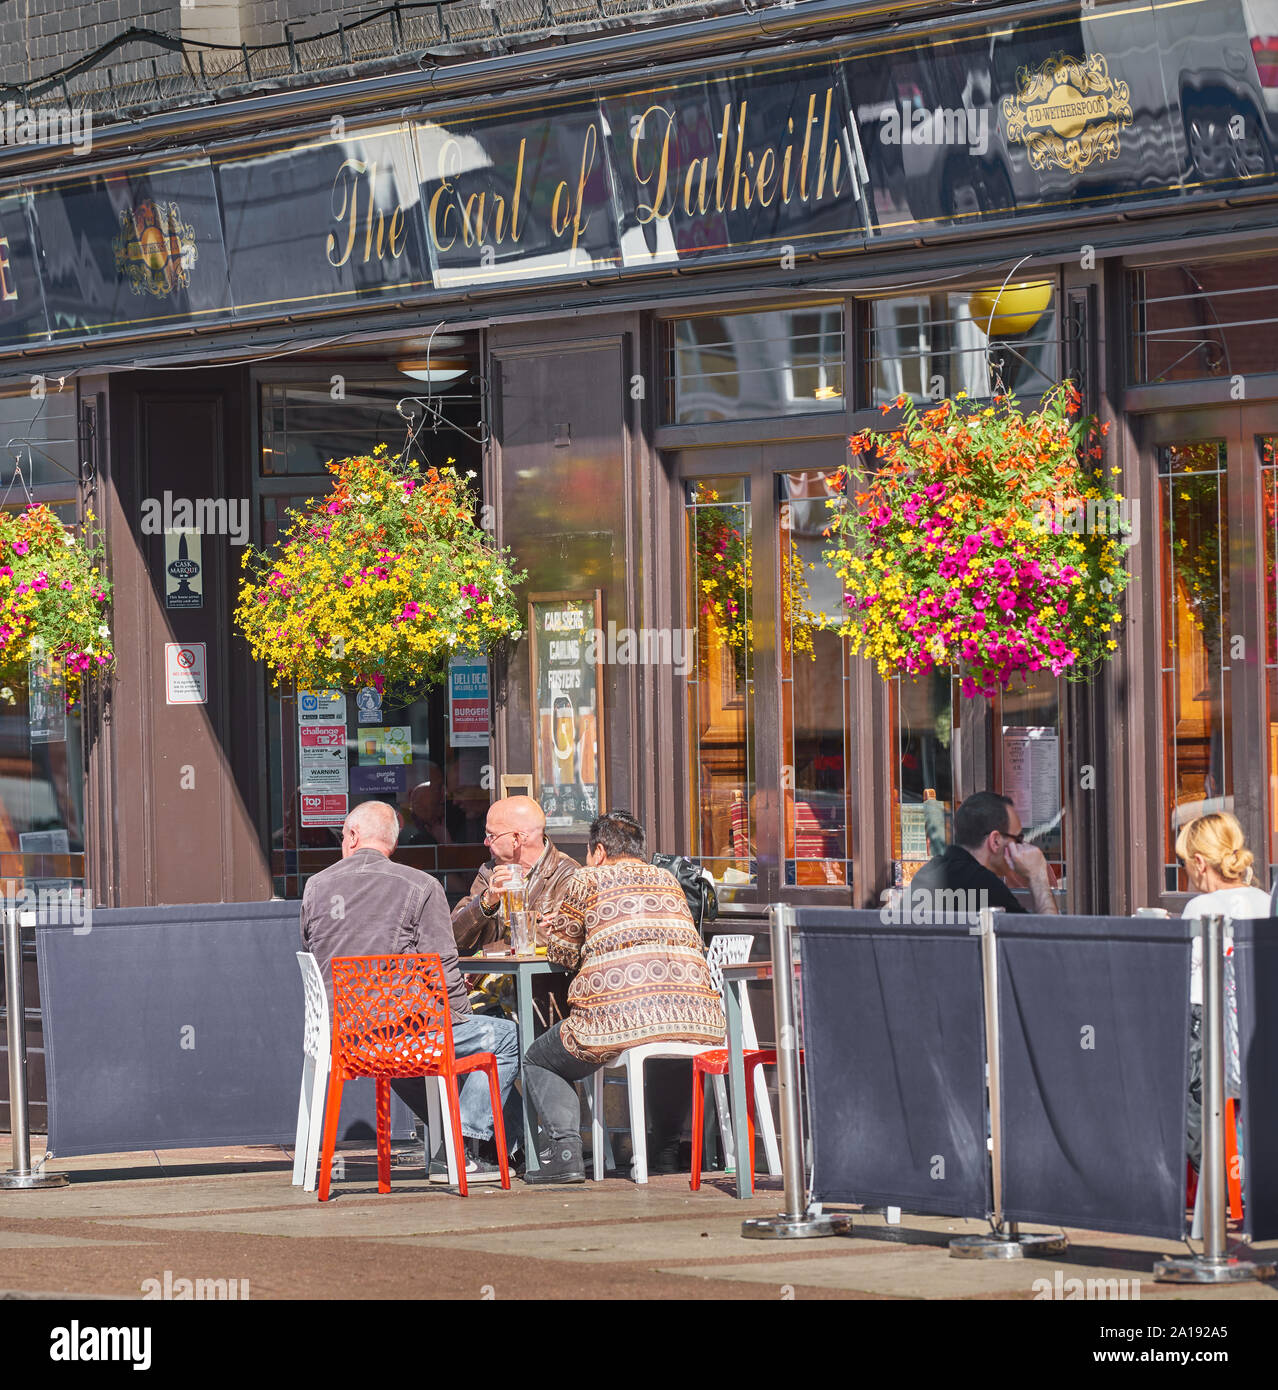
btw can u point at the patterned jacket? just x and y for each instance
(642, 975)
(473, 928)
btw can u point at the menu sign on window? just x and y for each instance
(568, 771)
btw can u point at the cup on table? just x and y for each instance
(513, 888)
(522, 940)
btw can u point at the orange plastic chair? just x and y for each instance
(391, 1019)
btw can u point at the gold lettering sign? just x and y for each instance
(1068, 112)
(354, 206)
(741, 176)
(155, 249)
(8, 290)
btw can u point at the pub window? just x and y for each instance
(721, 683)
(925, 718)
(929, 346)
(1197, 766)
(1031, 763)
(41, 761)
(1205, 319)
(755, 365)
(404, 756)
(305, 424)
(815, 694)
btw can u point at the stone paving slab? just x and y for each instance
(707, 1237)
(233, 1212)
(34, 1240)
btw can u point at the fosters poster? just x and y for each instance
(568, 776)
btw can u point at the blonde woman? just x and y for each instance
(1218, 864)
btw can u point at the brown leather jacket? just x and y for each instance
(547, 882)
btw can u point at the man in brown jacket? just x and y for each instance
(516, 834)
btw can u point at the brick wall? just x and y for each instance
(263, 21)
(39, 36)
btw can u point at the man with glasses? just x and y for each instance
(516, 838)
(988, 840)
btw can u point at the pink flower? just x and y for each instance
(20, 547)
(411, 611)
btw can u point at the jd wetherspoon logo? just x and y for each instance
(155, 249)
(1068, 112)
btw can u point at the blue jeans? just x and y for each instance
(500, 1037)
(470, 1035)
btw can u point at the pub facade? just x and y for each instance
(646, 295)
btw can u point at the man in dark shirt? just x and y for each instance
(366, 905)
(987, 833)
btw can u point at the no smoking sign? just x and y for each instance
(186, 671)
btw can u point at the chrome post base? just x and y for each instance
(785, 1227)
(11, 1180)
(1197, 1269)
(1007, 1247)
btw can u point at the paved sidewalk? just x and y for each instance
(231, 1214)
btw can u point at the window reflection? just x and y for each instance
(304, 425)
(925, 720)
(752, 366)
(1197, 771)
(930, 346)
(721, 688)
(1030, 764)
(814, 689)
(1204, 319)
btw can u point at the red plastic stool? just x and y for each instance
(715, 1063)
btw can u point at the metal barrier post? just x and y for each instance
(1214, 1265)
(796, 1221)
(1002, 1243)
(20, 1175)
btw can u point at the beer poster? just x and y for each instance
(567, 686)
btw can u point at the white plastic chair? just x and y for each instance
(317, 1042)
(735, 950)
(632, 1061)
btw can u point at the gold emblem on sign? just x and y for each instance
(155, 249)
(1068, 113)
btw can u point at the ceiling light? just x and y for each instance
(436, 371)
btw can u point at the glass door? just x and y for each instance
(1213, 648)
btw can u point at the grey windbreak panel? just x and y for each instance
(1256, 972)
(1094, 1042)
(180, 1027)
(893, 1036)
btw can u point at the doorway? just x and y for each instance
(1210, 541)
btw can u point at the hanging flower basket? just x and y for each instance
(378, 584)
(987, 540)
(53, 601)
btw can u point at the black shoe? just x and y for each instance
(562, 1165)
(672, 1157)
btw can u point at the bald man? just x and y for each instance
(366, 905)
(516, 834)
